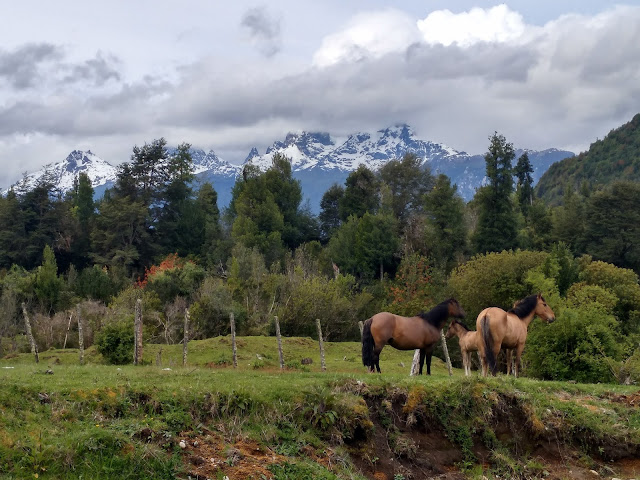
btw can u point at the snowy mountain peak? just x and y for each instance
(63, 174)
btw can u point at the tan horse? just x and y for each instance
(406, 333)
(499, 329)
(468, 341)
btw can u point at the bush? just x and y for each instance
(115, 342)
(579, 346)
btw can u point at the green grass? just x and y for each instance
(87, 420)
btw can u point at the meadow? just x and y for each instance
(60, 419)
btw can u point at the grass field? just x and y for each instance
(59, 419)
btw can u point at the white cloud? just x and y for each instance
(496, 24)
(368, 35)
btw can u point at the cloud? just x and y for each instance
(23, 67)
(368, 35)
(97, 71)
(264, 30)
(562, 84)
(496, 24)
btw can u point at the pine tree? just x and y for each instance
(524, 186)
(330, 211)
(446, 229)
(497, 223)
(360, 194)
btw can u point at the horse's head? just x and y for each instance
(451, 331)
(544, 311)
(455, 310)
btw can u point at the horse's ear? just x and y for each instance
(539, 296)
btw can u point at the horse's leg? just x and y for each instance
(508, 352)
(376, 359)
(422, 355)
(466, 360)
(519, 350)
(429, 362)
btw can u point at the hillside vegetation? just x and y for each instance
(62, 420)
(615, 157)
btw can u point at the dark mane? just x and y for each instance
(524, 307)
(437, 315)
(462, 325)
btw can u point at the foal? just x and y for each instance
(468, 341)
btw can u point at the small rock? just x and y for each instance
(182, 444)
(258, 357)
(166, 369)
(594, 472)
(44, 398)
(306, 361)
(49, 372)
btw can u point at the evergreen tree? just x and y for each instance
(330, 211)
(496, 229)
(360, 194)
(408, 182)
(524, 186)
(613, 230)
(47, 284)
(83, 208)
(568, 221)
(12, 231)
(445, 226)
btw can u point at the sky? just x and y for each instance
(229, 76)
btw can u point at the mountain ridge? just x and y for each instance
(318, 160)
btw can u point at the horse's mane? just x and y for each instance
(524, 307)
(462, 325)
(437, 314)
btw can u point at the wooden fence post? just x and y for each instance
(34, 347)
(233, 341)
(68, 328)
(137, 333)
(279, 343)
(361, 325)
(415, 364)
(324, 366)
(80, 335)
(446, 352)
(185, 340)
(159, 358)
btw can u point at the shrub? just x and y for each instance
(578, 346)
(115, 342)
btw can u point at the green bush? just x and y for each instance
(578, 346)
(115, 342)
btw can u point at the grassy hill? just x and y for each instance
(62, 420)
(615, 157)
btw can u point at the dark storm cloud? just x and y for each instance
(263, 29)
(22, 68)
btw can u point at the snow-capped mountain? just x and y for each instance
(311, 150)
(318, 160)
(64, 173)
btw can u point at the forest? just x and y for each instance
(400, 239)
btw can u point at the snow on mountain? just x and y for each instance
(313, 150)
(63, 174)
(318, 160)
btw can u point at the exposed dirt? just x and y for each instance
(402, 446)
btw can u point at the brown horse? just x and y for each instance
(406, 333)
(499, 329)
(468, 341)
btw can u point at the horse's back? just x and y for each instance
(495, 316)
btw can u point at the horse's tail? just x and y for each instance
(487, 338)
(367, 344)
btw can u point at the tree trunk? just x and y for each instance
(279, 344)
(34, 347)
(322, 363)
